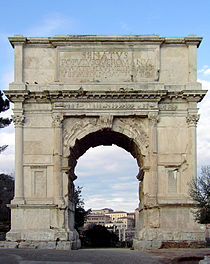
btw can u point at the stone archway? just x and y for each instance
(73, 92)
(106, 137)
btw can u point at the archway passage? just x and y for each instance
(105, 137)
(107, 175)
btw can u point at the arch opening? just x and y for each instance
(108, 177)
(105, 137)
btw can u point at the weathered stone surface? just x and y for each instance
(75, 92)
(8, 244)
(37, 244)
(64, 245)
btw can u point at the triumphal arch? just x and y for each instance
(71, 93)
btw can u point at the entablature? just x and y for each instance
(81, 95)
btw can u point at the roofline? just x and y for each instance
(64, 40)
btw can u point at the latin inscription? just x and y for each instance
(107, 65)
(101, 106)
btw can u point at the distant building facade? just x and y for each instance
(102, 211)
(120, 222)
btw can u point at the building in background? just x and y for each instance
(102, 211)
(120, 222)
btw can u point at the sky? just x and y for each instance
(107, 174)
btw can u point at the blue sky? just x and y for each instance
(111, 181)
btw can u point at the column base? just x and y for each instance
(48, 235)
(48, 239)
(62, 245)
(155, 239)
(18, 201)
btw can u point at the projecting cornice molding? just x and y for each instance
(85, 96)
(65, 40)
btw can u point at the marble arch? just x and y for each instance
(73, 92)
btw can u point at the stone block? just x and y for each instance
(46, 245)
(156, 244)
(28, 244)
(13, 236)
(142, 245)
(7, 244)
(64, 245)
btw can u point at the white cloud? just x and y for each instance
(203, 68)
(109, 172)
(7, 138)
(207, 72)
(126, 203)
(105, 160)
(7, 160)
(204, 71)
(125, 186)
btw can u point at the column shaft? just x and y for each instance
(192, 120)
(19, 180)
(57, 166)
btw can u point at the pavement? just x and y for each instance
(101, 256)
(179, 255)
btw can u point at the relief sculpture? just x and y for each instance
(137, 128)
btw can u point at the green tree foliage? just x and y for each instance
(80, 212)
(6, 195)
(200, 193)
(99, 236)
(4, 105)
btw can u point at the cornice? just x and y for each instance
(91, 96)
(65, 40)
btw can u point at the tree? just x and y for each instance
(4, 105)
(99, 236)
(6, 195)
(80, 212)
(200, 193)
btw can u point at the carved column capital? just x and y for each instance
(57, 120)
(18, 120)
(153, 118)
(105, 121)
(192, 119)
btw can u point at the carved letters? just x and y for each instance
(106, 65)
(105, 106)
